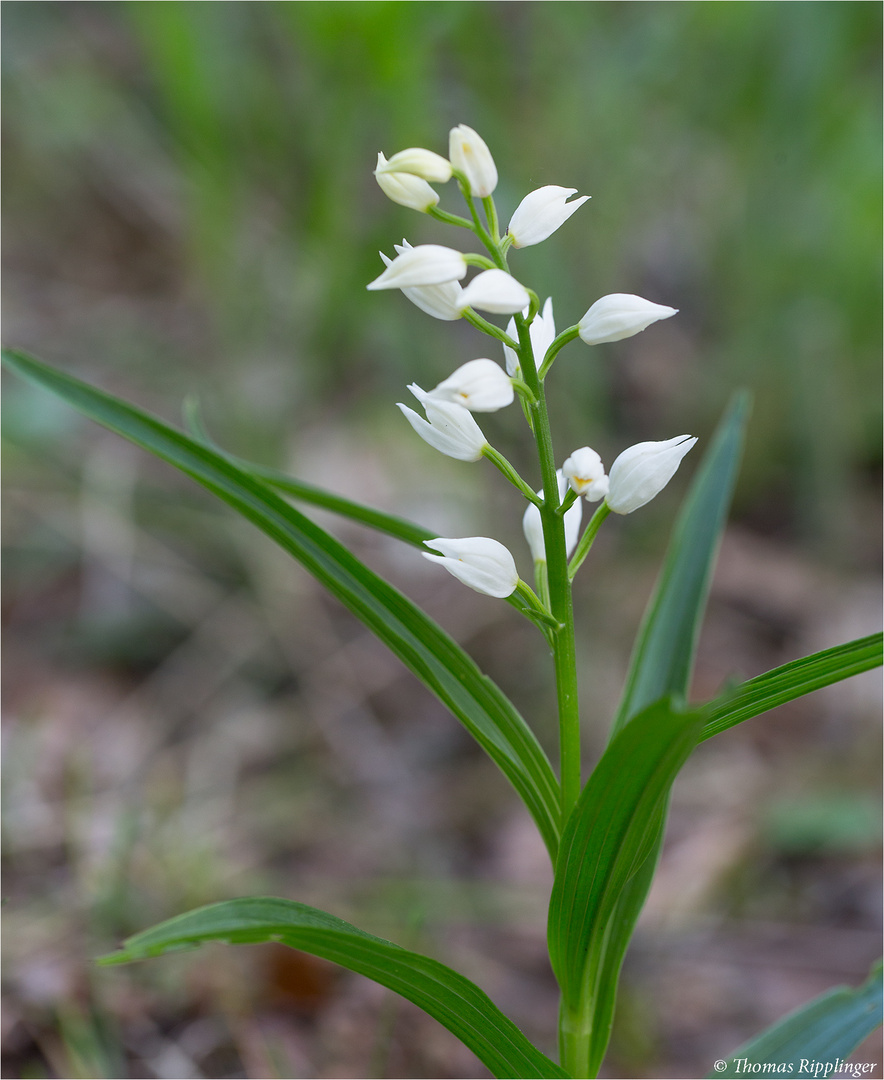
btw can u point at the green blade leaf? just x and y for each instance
(422, 645)
(791, 681)
(390, 524)
(610, 834)
(824, 1030)
(447, 996)
(663, 656)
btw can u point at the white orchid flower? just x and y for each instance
(483, 564)
(449, 427)
(469, 155)
(426, 264)
(643, 470)
(532, 526)
(441, 301)
(479, 385)
(540, 213)
(418, 162)
(619, 316)
(404, 189)
(495, 291)
(542, 332)
(585, 473)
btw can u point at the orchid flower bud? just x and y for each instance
(542, 332)
(479, 385)
(495, 291)
(619, 316)
(426, 264)
(540, 213)
(585, 473)
(449, 427)
(532, 525)
(483, 564)
(643, 470)
(440, 301)
(404, 189)
(469, 155)
(416, 162)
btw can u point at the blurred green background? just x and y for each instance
(189, 210)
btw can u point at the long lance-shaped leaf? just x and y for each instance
(607, 838)
(661, 664)
(446, 995)
(417, 640)
(663, 656)
(791, 681)
(819, 1035)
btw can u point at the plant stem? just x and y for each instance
(585, 541)
(559, 584)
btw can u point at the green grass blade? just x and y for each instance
(608, 837)
(791, 681)
(447, 996)
(825, 1030)
(420, 643)
(663, 656)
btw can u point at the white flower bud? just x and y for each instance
(426, 264)
(540, 213)
(585, 473)
(483, 564)
(469, 155)
(404, 189)
(618, 316)
(642, 471)
(532, 525)
(479, 385)
(440, 301)
(495, 291)
(417, 162)
(449, 428)
(542, 332)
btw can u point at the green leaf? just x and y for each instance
(608, 837)
(447, 996)
(663, 656)
(390, 524)
(824, 1030)
(791, 681)
(420, 643)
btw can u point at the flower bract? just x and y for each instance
(426, 264)
(479, 385)
(449, 427)
(540, 213)
(478, 561)
(643, 470)
(416, 161)
(495, 291)
(469, 155)
(405, 189)
(619, 316)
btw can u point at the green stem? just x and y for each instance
(553, 351)
(450, 219)
(585, 541)
(536, 604)
(559, 584)
(475, 319)
(496, 458)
